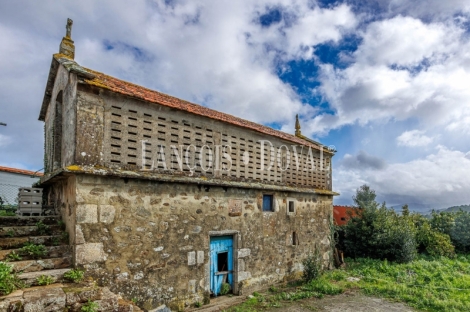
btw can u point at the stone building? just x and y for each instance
(166, 200)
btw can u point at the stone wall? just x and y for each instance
(150, 240)
(62, 195)
(64, 91)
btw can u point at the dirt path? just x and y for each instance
(350, 301)
(347, 302)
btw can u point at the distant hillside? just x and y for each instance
(450, 209)
(456, 208)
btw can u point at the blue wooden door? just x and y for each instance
(221, 248)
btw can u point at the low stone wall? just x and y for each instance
(150, 240)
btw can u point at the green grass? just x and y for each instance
(7, 213)
(439, 284)
(428, 284)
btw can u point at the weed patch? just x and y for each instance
(43, 229)
(34, 251)
(74, 275)
(44, 280)
(8, 279)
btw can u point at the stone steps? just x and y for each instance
(64, 297)
(30, 279)
(28, 230)
(41, 265)
(25, 221)
(18, 242)
(52, 252)
(15, 232)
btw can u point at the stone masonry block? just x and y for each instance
(80, 295)
(89, 253)
(244, 252)
(87, 214)
(243, 275)
(192, 286)
(44, 299)
(241, 265)
(79, 238)
(200, 257)
(191, 258)
(107, 213)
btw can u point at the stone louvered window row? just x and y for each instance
(140, 139)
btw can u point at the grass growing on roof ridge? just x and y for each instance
(429, 284)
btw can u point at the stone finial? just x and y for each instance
(297, 126)
(68, 27)
(67, 48)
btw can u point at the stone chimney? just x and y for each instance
(67, 47)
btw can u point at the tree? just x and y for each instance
(365, 197)
(405, 211)
(379, 232)
(460, 233)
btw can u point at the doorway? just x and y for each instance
(221, 251)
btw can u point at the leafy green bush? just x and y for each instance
(8, 279)
(34, 251)
(74, 275)
(378, 232)
(381, 234)
(434, 242)
(460, 232)
(455, 224)
(312, 266)
(442, 221)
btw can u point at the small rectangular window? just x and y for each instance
(295, 240)
(291, 206)
(268, 203)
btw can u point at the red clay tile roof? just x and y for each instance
(21, 171)
(342, 214)
(123, 87)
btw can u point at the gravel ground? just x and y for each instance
(346, 302)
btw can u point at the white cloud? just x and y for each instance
(403, 69)
(438, 180)
(305, 33)
(213, 53)
(413, 138)
(404, 41)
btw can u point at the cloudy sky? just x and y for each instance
(386, 82)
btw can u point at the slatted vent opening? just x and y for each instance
(135, 136)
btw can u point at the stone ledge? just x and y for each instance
(175, 178)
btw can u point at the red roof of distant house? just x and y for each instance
(21, 171)
(342, 214)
